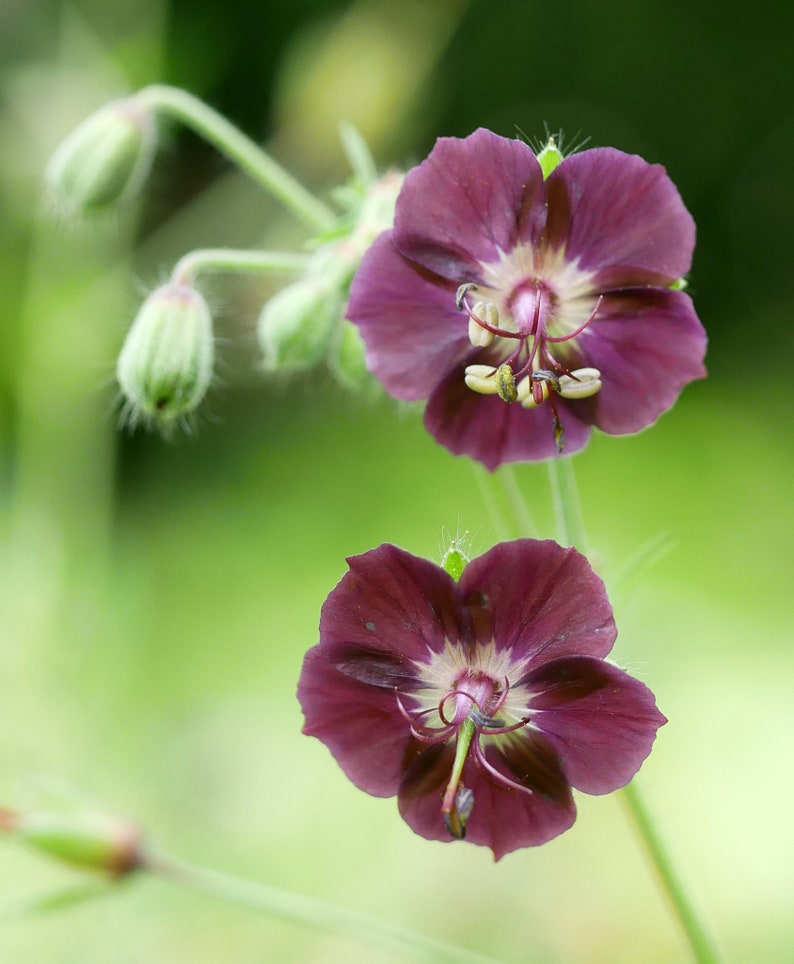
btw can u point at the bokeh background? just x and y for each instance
(156, 599)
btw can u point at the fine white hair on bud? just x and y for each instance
(104, 160)
(166, 364)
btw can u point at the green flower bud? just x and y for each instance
(166, 364)
(104, 160)
(347, 362)
(295, 326)
(90, 841)
(549, 157)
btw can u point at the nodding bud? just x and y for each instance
(549, 157)
(166, 364)
(295, 326)
(90, 841)
(104, 160)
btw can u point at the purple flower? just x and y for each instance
(496, 286)
(480, 703)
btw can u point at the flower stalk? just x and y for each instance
(305, 910)
(703, 948)
(235, 260)
(248, 156)
(571, 532)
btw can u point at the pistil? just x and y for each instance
(455, 815)
(530, 375)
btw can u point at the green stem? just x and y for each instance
(235, 260)
(518, 503)
(304, 910)
(702, 946)
(567, 508)
(484, 481)
(571, 528)
(358, 155)
(223, 135)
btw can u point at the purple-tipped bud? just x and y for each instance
(104, 160)
(166, 364)
(91, 841)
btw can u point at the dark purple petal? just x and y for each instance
(469, 200)
(493, 432)
(389, 604)
(544, 601)
(503, 819)
(648, 344)
(361, 725)
(601, 721)
(621, 217)
(407, 317)
(427, 768)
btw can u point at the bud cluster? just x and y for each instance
(304, 323)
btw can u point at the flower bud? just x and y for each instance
(294, 327)
(347, 360)
(104, 160)
(90, 841)
(165, 366)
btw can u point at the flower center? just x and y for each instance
(467, 711)
(531, 373)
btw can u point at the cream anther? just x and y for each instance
(584, 383)
(481, 378)
(482, 314)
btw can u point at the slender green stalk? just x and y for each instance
(518, 503)
(486, 487)
(571, 529)
(240, 261)
(358, 155)
(305, 910)
(703, 948)
(567, 508)
(223, 135)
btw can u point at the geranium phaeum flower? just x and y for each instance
(495, 286)
(480, 703)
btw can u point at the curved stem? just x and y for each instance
(303, 910)
(571, 528)
(223, 135)
(235, 260)
(702, 946)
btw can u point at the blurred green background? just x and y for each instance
(156, 599)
